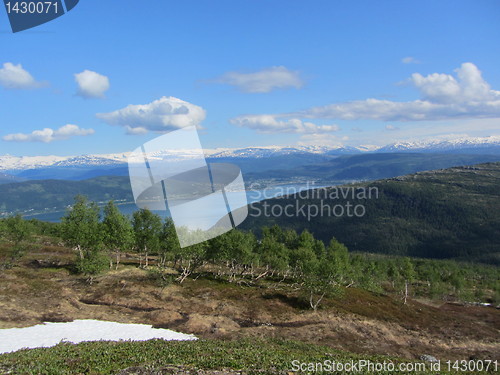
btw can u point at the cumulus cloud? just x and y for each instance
(272, 124)
(443, 96)
(48, 135)
(162, 115)
(409, 60)
(91, 84)
(15, 77)
(266, 80)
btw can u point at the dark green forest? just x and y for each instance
(452, 213)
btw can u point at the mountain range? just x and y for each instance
(51, 194)
(250, 159)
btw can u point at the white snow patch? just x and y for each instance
(50, 334)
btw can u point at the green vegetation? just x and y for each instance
(283, 256)
(252, 356)
(18, 232)
(294, 267)
(452, 213)
(38, 195)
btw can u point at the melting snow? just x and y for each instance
(50, 334)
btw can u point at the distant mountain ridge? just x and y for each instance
(457, 145)
(250, 159)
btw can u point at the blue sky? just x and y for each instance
(105, 78)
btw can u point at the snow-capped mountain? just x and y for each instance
(443, 145)
(8, 162)
(263, 152)
(88, 160)
(11, 163)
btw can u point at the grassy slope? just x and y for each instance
(265, 325)
(159, 357)
(442, 214)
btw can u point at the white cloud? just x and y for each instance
(48, 135)
(162, 115)
(266, 80)
(15, 77)
(409, 60)
(442, 97)
(91, 84)
(271, 124)
(136, 131)
(391, 127)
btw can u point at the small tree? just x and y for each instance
(18, 231)
(147, 230)
(273, 255)
(337, 256)
(408, 274)
(319, 281)
(169, 243)
(117, 231)
(190, 258)
(81, 229)
(328, 274)
(234, 249)
(303, 262)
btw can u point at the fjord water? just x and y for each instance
(256, 195)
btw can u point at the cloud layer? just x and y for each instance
(266, 80)
(15, 77)
(162, 115)
(465, 95)
(48, 135)
(91, 84)
(442, 97)
(272, 124)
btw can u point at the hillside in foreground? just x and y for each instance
(450, 213)
(266, 323)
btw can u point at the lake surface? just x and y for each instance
(256, 195)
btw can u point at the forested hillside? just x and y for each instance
(452, 213)
(57, 194)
